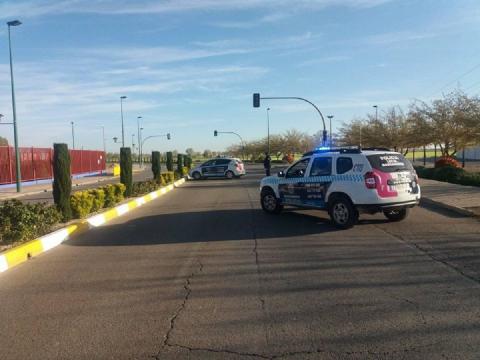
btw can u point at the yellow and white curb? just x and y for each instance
(19, 254)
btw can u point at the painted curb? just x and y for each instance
(30, 249)
(456, 209)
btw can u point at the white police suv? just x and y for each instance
(219, 167)
(345, 182)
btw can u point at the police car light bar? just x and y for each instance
(343, 150)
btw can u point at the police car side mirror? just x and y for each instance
(281, 174)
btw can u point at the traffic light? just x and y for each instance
(256, 100)
(168, 136)
(215, 133)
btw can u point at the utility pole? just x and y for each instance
(330, 117)
(14, 109)
(121, 113)
(139, 137)
(376, 112)
(268, 131)
(73, 134)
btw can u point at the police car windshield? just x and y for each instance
(389, 162)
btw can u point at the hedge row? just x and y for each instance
(449, 174)
(88, 201)
(21, 222)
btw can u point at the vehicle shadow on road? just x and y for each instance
(205, 226)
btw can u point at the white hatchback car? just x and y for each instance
(219, 167)
(345, 182)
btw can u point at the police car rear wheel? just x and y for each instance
(229, 174)
(270, 203)
(343, 214)
(396, 215)
(196, 175)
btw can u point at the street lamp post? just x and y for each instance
(121, 113)
(133, 144)
(103, 138)
(330, 117)
(376, 112)
(73, 134)
(268, 130)
(15, 131)
(139, 137)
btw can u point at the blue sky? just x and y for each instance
(190, 66)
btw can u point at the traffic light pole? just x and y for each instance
(154, 136)
(233, 133)
(324, 136)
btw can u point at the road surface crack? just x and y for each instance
(445, 262)
(188, 291)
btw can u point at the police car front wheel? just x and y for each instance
(270, 203)
(196, 175)
(343, 213)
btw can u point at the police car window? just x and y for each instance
(321, 166)
(208, 163)
(222, 162)
(389, 162)
(344, 164)
(298, 169)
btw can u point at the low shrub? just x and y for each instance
(423, 172)
(81, 203)
(449, 174)
(120, 190)
(21, 222)
(110, 198)
(168, 177)
(470, 179)
(144, 187)
(185, 170)
(98, 199)
(447, 161)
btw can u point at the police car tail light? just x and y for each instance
(370, 180)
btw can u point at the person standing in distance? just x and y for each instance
(267, 164)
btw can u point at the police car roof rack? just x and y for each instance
(341, 150)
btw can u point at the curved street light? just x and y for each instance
(216, 132)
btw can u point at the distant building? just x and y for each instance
(472, 153)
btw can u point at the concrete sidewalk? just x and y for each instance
(459, 198)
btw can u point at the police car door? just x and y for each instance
(291, 188)
(207, 168)
(221, 166)
(318, 182)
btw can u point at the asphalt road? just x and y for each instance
(203, 273)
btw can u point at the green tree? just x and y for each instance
(62, 180)
(180, 164)
(169, 161)
(156, 167)
(126, 175)
(453, 121)
(3, 141)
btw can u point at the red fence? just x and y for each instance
(36, 163)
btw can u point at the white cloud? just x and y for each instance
(29, 8)
(324, 60)
(397, 37)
